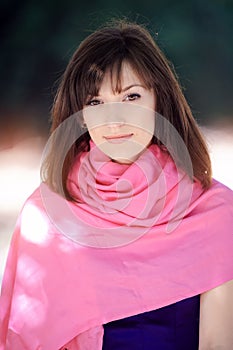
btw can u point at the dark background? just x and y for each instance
(38, 38)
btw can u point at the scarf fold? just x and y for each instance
(122, 202)
(139, 237)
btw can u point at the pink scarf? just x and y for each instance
(141, 236)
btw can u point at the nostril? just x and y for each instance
(115, 124)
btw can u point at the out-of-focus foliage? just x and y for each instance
(38, 38)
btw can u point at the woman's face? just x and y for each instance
(121, 124)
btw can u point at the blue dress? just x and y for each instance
(173, 327)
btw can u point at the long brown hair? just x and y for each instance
(106, 49)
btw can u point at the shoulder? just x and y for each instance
(217, 202)
(221, 191)
(216, 317)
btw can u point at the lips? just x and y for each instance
(118, 138)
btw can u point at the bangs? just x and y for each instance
(95, 73)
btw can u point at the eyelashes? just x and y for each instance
(132, 97)
(93, 102)
(129, 97)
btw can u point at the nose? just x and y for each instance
(114, 116)
(114, 125)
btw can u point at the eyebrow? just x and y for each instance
(130, 86)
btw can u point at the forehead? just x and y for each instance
(116, 80)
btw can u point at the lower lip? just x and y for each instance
(119, 139)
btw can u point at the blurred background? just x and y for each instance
(37, 40)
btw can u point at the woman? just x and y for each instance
(127, 244)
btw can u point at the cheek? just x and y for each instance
(143, 137)
(96, 133)
(145, 125)
(152, 102)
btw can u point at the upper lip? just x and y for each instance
(117, 136)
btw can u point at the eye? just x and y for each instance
(93, 102)
(132, 97)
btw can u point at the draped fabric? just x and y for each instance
(138, 238)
